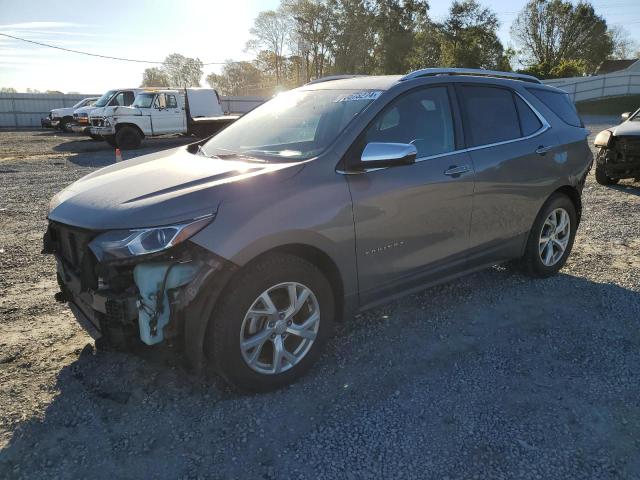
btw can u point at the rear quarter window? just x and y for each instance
(560, 104)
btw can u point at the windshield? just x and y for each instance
(144, 100)
(104, 99)
(295, 125)
(81, 103)
(636, 116)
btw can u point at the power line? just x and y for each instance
(95, 54)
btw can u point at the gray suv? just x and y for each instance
(245, 248)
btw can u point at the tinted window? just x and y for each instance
(529, 121)
(490, 114)
(422, 118)
(171, 101)
(129, 97)
(560, 104)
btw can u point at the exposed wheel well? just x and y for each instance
(321, 260)
(575, 197)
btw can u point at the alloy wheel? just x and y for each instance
(279, 328)
(554, 236)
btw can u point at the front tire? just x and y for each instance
(128, 138)
(602, 178)
(271, 323)
(551, 237)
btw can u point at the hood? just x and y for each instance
(114, 110)
(61, 112)
(88, 109)
(160, 189)
(628, 128)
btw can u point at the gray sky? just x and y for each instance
(213, 30)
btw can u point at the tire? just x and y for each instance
(64, 125)
(128, 138)
(110, 139)
(230, 322)
(602, 178)
(532, 261)
(98, 138)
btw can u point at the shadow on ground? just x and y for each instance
(493, 374)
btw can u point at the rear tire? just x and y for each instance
(281, 277)
(544, 259)
(128, 138)
(602, 178)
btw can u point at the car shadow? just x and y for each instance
(144, 416)
(629, 188)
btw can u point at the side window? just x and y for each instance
(171, 101)
(560, 104)
(422, 118)
(160, 101)
(129, 97)
(529, 121)
(118, 100)
(490, 115)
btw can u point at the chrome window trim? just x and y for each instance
(545, 126)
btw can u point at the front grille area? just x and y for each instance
(71, 244)
(628, 149)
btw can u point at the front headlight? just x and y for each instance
(603, 139)
(107, 123)
(123, 244)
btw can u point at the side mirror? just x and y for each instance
(625, 116)
(382, 155)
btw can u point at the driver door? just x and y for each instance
(412, 222)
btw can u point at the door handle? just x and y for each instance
(456, 171)
(541, 150)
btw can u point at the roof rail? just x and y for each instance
(480, 72)
(332, 77)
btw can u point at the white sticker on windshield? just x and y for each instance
(352, 97)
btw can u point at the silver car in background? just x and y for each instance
(327, 200)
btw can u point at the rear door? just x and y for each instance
(412, 222)
(514, 157)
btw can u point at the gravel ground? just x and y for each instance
(491, 376)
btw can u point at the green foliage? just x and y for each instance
(176, 71)
(154, 77)
(550, 32)
(8, 90)
(236, 78)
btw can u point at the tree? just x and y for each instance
(396, 25)
(354, 36)
(154, 77)
(237, 78)
(623, 45)
(552, 31)
(183, 71)
(8, 90)
(269, 33)
(469, 38)
(311, 38)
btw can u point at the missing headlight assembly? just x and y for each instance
(132, 286)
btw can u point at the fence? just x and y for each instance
(582, 89)
(26, 109)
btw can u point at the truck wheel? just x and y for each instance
(110, 139)
(551, 237)
(128, 138)
(64, 125)
(602, 178)
(271, 323)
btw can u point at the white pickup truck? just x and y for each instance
(192, 111)
(112, 98)
(63, 117)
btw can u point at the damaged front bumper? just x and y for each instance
(621, 158)
(150, 299)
